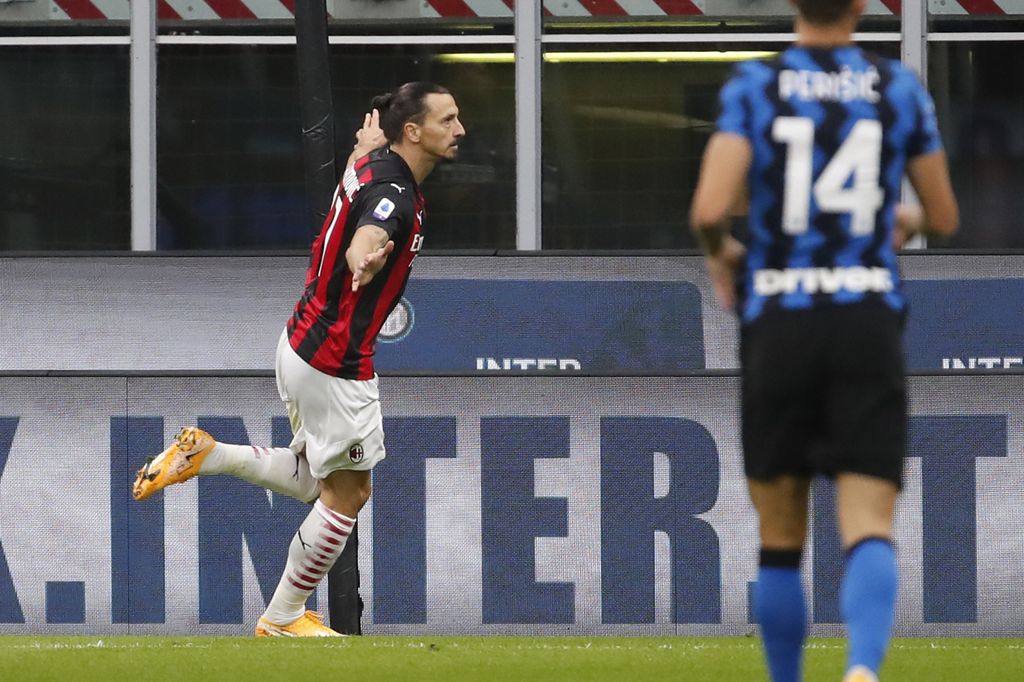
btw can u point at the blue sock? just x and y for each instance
(868, 599)
(779, 606)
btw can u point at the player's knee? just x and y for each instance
(364, 492)
(311, 492)
(346, 491)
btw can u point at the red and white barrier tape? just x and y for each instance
(212, 10)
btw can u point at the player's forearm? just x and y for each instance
(709, 219)
(362, 148)
(929, 175)
(358, 151)
(721, 189)
(711, 236)
(941, 218)
(366, 240)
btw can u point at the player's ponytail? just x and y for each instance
(407, 103)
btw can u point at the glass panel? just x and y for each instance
(623, 139)
(64, 148)
(230, 171)
(979, 95)
(229, 151)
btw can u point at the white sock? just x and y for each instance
(314, 549)
(277, 469)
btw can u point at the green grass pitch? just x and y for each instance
(485, 658)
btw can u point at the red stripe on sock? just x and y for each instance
(334, 516)
(312, 570)
(306, 578)
(304, 588)
(337, 531)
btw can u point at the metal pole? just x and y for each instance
(914, 53)
(316, 107)
(914, 37)
(528, 131)
(143, 125)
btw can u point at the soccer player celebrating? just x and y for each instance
(359, 268)
(820, 139)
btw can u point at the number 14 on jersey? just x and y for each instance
(858, 156)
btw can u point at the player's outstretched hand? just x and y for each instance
(371, 265)
(370, 136)
(722, 269)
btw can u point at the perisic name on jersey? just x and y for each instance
(846, 85)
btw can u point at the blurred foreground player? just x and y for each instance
(820, 138)
(359, 268)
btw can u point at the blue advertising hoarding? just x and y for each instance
(544, 505)
(965, 324)
(466, 324)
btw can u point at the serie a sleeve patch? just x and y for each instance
(385, 207)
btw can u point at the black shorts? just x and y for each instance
(823, 391)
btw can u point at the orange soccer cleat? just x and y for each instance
(179, 462)
(859, 673)
(309, 624)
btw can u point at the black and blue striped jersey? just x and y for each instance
(831, 130)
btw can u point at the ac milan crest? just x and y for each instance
(355, 453)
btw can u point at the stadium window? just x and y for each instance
(980, 104)
(64, 148)
(624, 132)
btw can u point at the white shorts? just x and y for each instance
(337, 421)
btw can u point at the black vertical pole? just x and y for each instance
(317, 111)
(316, 108)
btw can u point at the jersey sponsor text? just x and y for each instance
(856, 279)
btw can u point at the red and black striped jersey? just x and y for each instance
(332, 328)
